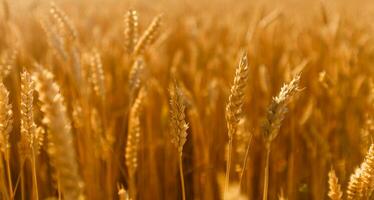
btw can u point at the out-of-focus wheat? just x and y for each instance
(60, 139)
(133, 140)
(131, 31)
(149, 36)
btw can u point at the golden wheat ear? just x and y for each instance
(64, 24)
(361, 182)
(60, 139)
(97, 76)
(177, 113)
(6, 125)
(236, 98)
(136, 76)
(131, 31)
(6, 119)
(149, 36)
(335, 192)
(278, 108)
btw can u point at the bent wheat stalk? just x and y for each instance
(275, 115)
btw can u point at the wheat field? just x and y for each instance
(202, 100)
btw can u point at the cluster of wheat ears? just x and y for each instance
(218, 100)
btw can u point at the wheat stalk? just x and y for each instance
(275, 115)
(234, 108)
(60, 147)
(179, 126)
(133, 139)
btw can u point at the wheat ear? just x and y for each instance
(6, 121)
(149, 36)
(123, 194)
(136, 77)
(97, 74)
(60, 147)
(7, 62)
(131, 31)
(64, 24)
(361, 182)
(335, 192)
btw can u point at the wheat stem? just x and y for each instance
(266, 176)
(228, 167)
(245, 161)
(35, 180)
(9, 174)
(182, 177)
